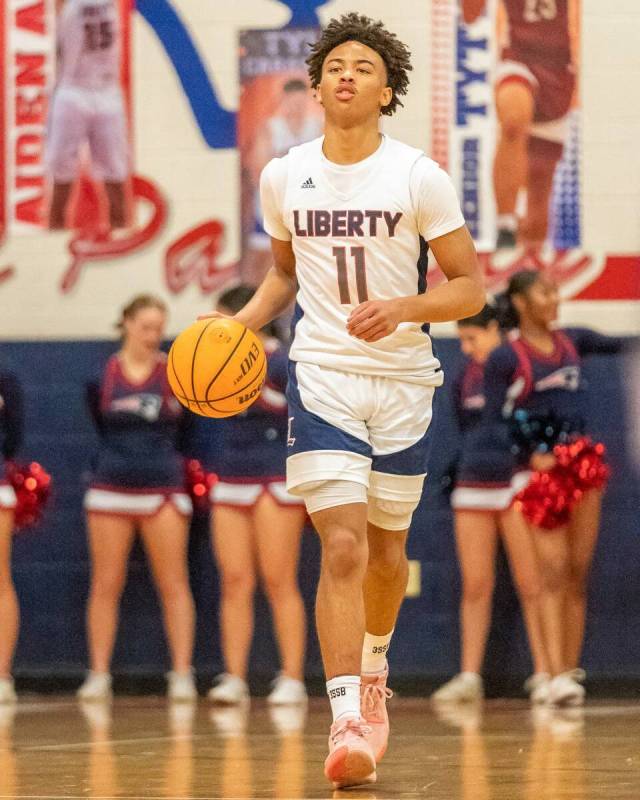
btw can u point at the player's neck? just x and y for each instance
(136, 356)
(350, 145)
(538, 335)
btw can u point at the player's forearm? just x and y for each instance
(273, 297)
(458, 298)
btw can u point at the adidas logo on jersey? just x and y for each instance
(308, 184)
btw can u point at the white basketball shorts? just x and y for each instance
(369, 429)
(87, 117)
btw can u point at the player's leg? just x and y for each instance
(476, 543)
(528, 582)
(340, 611)
(328, 465)
(584, 526)
(514, 108)
(543, 157)
(232, 540)
(166, 536)
(400, 435)
(340, 623)
(278, 530)
(110, 540)
(60, 193)
(9, 611)
(116, 196)
(552, 548)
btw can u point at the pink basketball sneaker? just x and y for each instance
(373, 707)
(350, 761)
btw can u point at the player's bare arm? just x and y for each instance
(276, 292)
(461, 296)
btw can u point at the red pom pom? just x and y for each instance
(587, 465)
(550, 496)
(198, 484)
(32, 485)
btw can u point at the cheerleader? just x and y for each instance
(138, 485)
(485, 485)
(11, 428)
(256, 529)
(534, 384)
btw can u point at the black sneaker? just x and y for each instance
(506, 240)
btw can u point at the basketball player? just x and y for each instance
(350, 216)
(534, 88)
(138, 485)
(11, 427)
(87, 107)
(538, 371)
(486, 483)
(256, 527)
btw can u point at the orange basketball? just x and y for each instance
(216, 367)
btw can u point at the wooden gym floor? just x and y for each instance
(142, 748)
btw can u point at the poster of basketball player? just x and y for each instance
(513, 138)
(87, 147)
(277, 111)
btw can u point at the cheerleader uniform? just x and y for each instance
(248, 451)
(141, 426)
(535, 400)
(486, 477)
(11, 432)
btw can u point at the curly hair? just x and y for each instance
(358, 28)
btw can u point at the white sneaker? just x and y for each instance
(287, 692)
(229, 691)
(466, 687)
(7, 691)
(97, 686)
(181, 687)
(537, 687)
(565, 689)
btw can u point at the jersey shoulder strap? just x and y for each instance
(524, 370)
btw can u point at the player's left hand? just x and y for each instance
(374, 319)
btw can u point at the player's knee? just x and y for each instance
(387, 556)
(476, 588)
(529, 589)
(555, 577)
(108, 586)
(390, 515)
(237, 583)
(344, 552)
(514, 128)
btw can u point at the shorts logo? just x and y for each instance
(308, 184)
(291, 440)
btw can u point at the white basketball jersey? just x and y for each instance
(89, 44)
(356, 233)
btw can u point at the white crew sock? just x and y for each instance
(344, 696)
(507, 222)
(374, 652)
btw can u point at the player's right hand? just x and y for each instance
(542, 462)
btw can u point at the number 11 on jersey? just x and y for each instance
(357, 253)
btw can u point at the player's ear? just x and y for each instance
(317, 95)
(386, 96)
